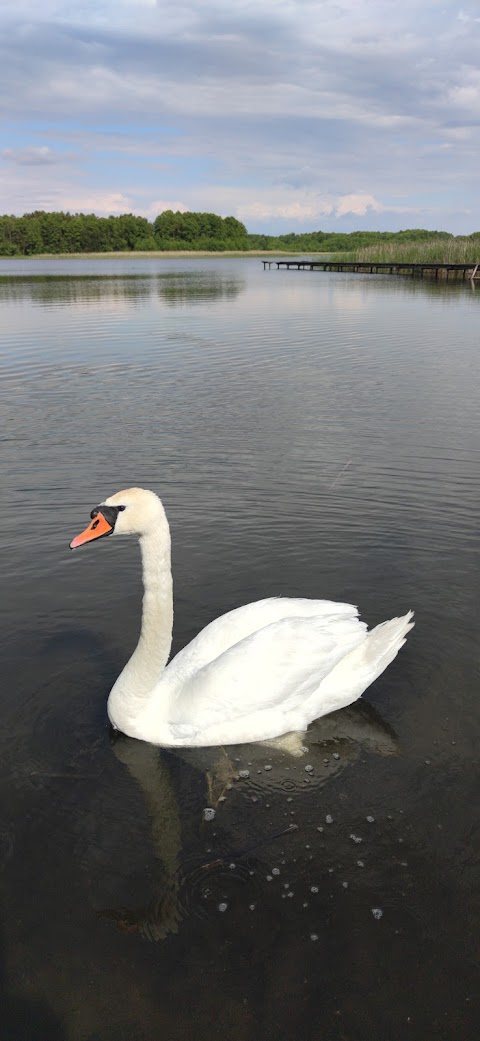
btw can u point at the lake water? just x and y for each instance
(309, 434)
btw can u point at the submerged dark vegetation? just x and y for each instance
(41, 232)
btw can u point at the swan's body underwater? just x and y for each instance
(259, 672)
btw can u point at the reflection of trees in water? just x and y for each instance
(366, 283)
(199, 289)
(68, 289)
(173, 288)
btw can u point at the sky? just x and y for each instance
(291, 115)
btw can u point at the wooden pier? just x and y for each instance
(437, 271)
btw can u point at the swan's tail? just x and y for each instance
(383, 644)
(354, 673)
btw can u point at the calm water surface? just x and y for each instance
(309, 434)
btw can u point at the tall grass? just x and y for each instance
(458, 250)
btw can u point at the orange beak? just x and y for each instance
(96, 530)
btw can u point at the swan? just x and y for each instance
(256, 673)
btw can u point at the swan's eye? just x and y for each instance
(120, 508)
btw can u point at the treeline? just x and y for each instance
(41, 232)
(333, 241)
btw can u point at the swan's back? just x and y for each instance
(236, 625)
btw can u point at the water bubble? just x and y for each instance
(269, 878)
(314, 936)
(329, 819)
(267, 767)
(377, 912)
(370, 819)
(356, 838)
(336, 755)
(309, 768)
(252, 906)
(290, 893)
(345, 885)
(208, 813)
(232, 866)
(314, 889)
(244, 775)
(222, 907)
(275, 870)
(361, 863)
(320, 829)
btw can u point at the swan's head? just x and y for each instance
(135, 511)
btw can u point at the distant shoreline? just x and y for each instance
(166, 253)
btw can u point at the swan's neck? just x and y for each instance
(153, 649)
(135, 684)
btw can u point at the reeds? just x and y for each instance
(455, 250)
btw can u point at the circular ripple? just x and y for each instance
(202, 887)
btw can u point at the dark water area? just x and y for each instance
(309, 434)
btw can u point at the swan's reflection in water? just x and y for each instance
(283, 777)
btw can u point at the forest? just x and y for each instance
(40, 232)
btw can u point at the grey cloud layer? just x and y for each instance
(355, 96)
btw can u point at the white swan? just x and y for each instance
(254, 674)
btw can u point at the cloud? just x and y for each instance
(305, 208)
(38, 189)
(357, 204)
(465, 95)
(280, 108)
(40, 155)
(261, 205)
(159, 205)
(101, 203)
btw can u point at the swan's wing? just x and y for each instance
(274, 668)
(230, 628)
